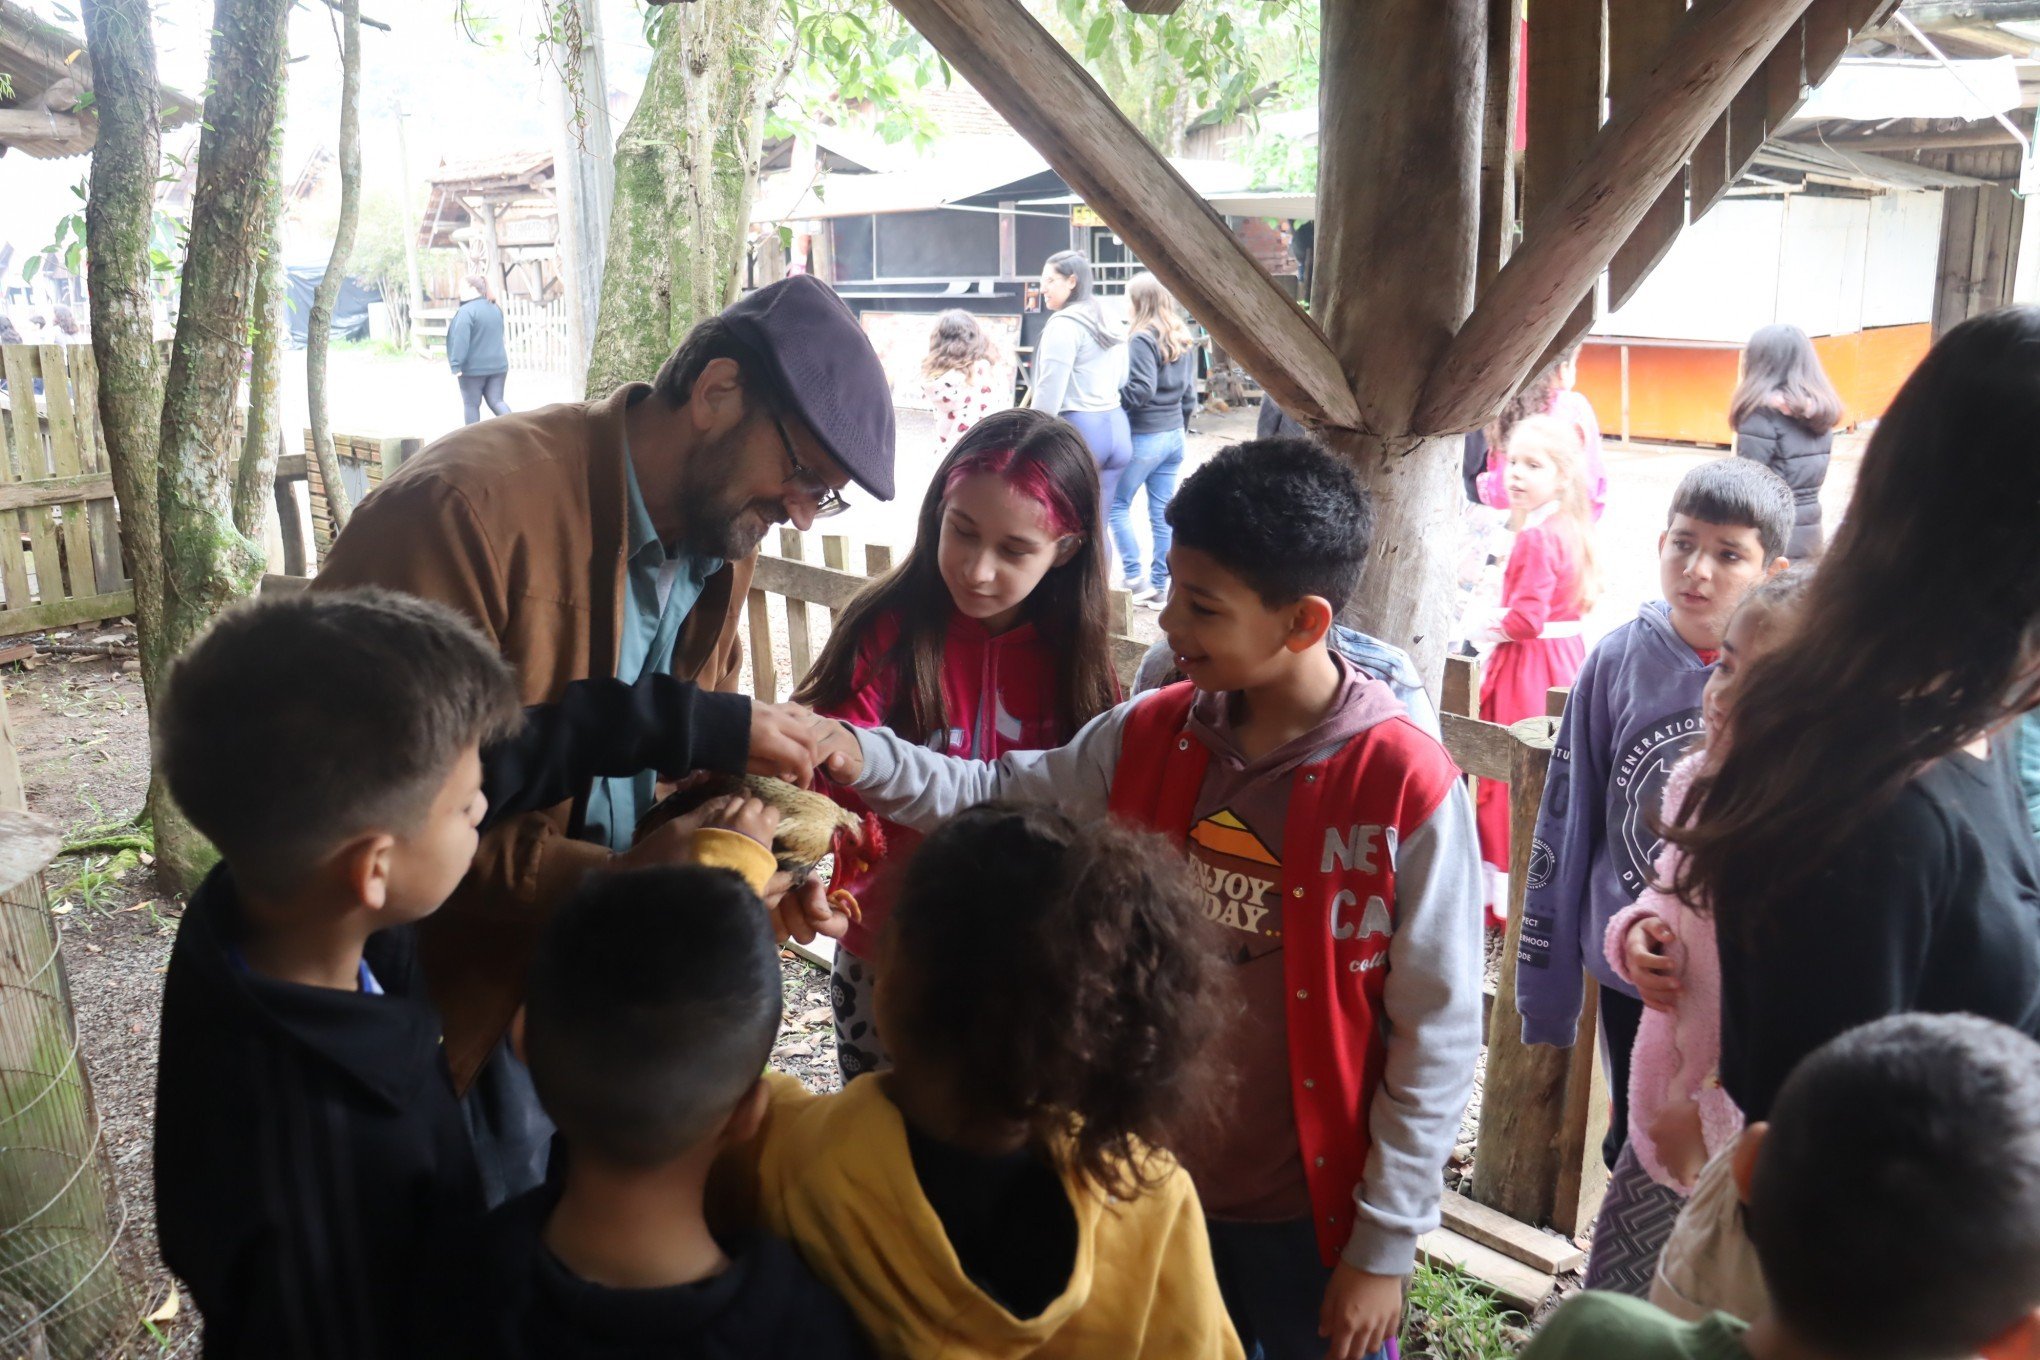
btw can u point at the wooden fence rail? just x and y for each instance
(60, 559)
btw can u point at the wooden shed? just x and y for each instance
(48, 74)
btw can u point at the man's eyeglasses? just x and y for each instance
(808, 484)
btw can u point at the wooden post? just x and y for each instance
(1400, 135)
(799, 646)
(1501, 101)
(1625, 394)
(1516, 1164)
(764, 670)
(58, 1213)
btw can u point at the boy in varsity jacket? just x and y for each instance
(1336, 848)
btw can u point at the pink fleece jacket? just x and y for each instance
(1677, 1054)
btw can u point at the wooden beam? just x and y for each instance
(1884, 143)
(1500, 104)
(1718, 46)
(1637, 34)
(59, 613)
(23, 126)
(1564, 97)
(1052, 101)
(71, 490)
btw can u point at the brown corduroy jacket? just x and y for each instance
(520, 523)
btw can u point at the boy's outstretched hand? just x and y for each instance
(1360, 1313)
(802, 911)
(786, 742)
(842, 755)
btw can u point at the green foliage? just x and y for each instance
(6, 86)
(1208, 60)
(1283, 163)
(1452, 1318)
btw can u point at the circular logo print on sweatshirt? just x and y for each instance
(1638, 782)
(1541, 860)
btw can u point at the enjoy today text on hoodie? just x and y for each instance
(1633, 712)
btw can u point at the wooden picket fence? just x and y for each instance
(810, 594)
(60, 560)
(535, 334)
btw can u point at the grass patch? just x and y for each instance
(1452, 1318)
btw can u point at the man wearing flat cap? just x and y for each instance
(611, 539)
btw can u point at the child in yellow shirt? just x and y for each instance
(1049, 1004)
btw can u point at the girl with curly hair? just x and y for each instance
(1005, 1188)
(960, 376)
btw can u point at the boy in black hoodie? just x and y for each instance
(652, 1005)
(309, 1149)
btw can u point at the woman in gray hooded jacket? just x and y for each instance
(1080, 365)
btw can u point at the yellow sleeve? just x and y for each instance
(1189, 1319)
(715, 848)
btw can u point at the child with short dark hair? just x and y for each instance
(652, 1006)
(1002, 1189)
(1633, 712)
(1336, 852)
(1894, 1203)
(309, 1151)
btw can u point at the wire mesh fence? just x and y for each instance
(61, 1291)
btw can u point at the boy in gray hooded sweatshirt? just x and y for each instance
(1632, 713)
(1335, 845)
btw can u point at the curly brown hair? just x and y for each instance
(957, 342)
(1095, 1029)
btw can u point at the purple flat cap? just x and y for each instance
(827, 370)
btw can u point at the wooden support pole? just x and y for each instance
(1717, 47)
(1500, 102)
(1516, 1165)
(1637, 33)
(1047, 96)
(1401, 144)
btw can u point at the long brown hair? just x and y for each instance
(1921, 629)
(1781, 372)
(1097, 1033)
(1153, 309)
(1045, 457)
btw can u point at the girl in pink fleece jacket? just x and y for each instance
(1679, 1115)
(991, 637)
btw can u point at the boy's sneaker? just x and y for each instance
(1145, 594)
(1157, 598)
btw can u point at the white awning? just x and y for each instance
(1869, 89)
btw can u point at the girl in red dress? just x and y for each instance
(1546, 588)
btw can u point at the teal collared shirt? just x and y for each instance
(660, 589)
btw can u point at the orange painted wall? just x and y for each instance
(1679, 393)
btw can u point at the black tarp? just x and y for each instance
(350, 312)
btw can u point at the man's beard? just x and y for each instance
(713, 521)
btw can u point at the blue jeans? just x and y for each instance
(1111, 444)
(1273, 1282)
(1157, 462)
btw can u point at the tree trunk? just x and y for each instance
(319, 335)
(414, 337)
(587, 174)
(676, 233)
(207, 564)
(119, 221)
(1400, 128)
(256, 476)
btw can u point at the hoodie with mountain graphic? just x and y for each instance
(1633, 712)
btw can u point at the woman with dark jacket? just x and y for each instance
(1160, 396)
(1784, 412)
